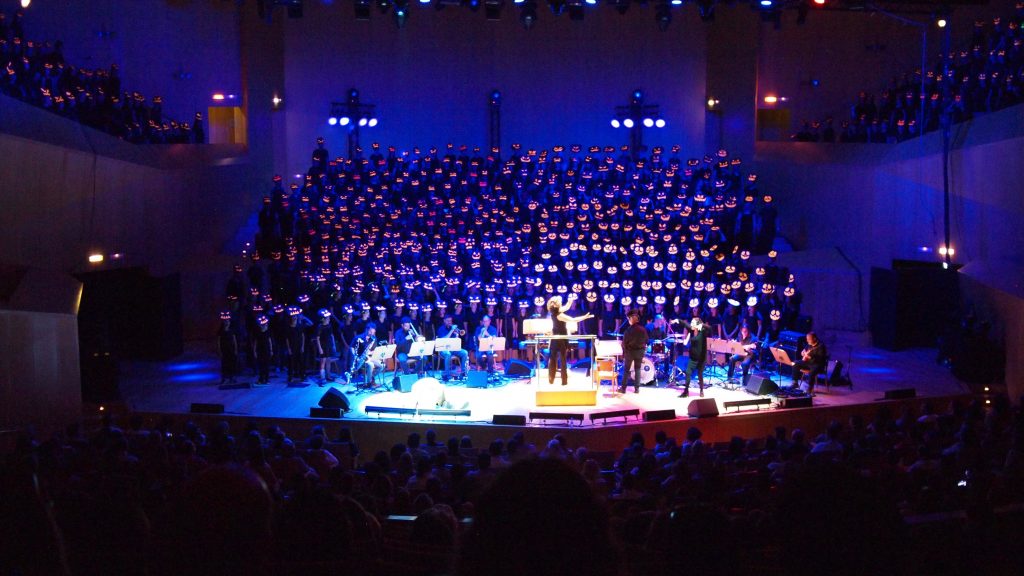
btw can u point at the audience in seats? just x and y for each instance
(933, 490)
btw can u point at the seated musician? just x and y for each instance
(362, 349)
(404, 337)
(448, 329)
(814, 359)
(745, 360)
(483, 332)
(658, 328)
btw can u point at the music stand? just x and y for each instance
(381, 354)
(418, 350)
(447, 344)
(491, 345)
(608, 348)
(781, 359)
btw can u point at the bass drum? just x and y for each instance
(647, 372)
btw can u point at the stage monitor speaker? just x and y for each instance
(702, 408)
(404, 382)
(315, 412)
(334, 398)
(658, 415)
(476, 379)
(515, 367)
(509, 420)
(901, 393)
(204, 408)
(760, 385)
(796, 402)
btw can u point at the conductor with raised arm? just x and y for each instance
(559, 344)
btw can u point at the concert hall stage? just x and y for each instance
(172, 387)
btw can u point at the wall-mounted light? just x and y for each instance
(96, 258)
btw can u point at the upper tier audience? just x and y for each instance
(986, 75)
(37, 73)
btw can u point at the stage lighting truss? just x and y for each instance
(352, 113)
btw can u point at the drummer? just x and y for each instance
(658, 328)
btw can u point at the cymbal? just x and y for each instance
(619, 334)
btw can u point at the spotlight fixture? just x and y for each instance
(628, 122)
(26, 3)
(941, 22)
(616, 123)
(383, 6)
(401, 12)
(528, 14)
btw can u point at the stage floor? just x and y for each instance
(171, 387)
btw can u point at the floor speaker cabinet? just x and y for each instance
(901, 393)
(334, 398)
(205, 408)
(761, 385)
(702, 408)
(476, 379)
(315, 412)
(515, 367)
(657, 415)
(509, 420)
(403, 382)
(796, 402)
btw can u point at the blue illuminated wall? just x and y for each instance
(560, 81)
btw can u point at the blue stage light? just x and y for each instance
(660, 122)
(628, 122)
(424, 1)
(648, 122)
(519, 1)
(362, 122)
(616, 123)
(767, 3)
(372, 122)
(677, 2)
(344, 120)
(638, 94)
(592, 2)
(332, 120)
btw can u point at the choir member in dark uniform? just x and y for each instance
(227, 344)
(609, 320)
(295, 340)
(263, 348)
(325, 346)
(634, 345)
(697, 338)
